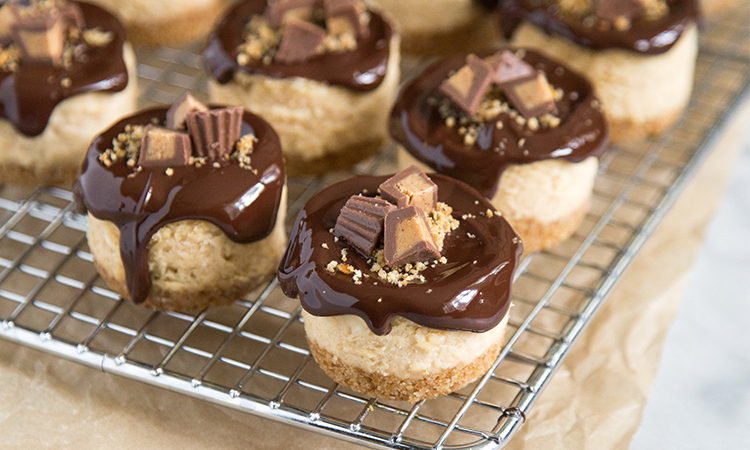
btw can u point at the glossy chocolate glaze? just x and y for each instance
(30, 94)
(241, 203)
(362, 69)
(419, 127)
(490, 5)
(470, 293)
(648, 37)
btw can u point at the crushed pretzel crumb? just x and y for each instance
(9, 58)
(97, 38)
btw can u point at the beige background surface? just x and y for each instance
(595, 400)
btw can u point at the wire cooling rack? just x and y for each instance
(252, 356)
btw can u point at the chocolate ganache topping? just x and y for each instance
(362, 68)
(644, 36)
(29, 94)
(243, 203)
(469, 290)
(417, 124)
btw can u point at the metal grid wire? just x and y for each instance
(252, 356)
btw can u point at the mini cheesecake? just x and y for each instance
(639, 54)
(324, 74)
(185, 205)
(66, 72)
(521, 128)
(166, 22)
(442, 27)
(406, 294)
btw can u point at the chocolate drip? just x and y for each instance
(362, 69)
(30, 94)
(470, 293)
(418, 126)
(240, 202)
(648, 37)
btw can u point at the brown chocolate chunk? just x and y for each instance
(361, 222)
(214, 132)
(532, 97)
(507, 68)
(344, 16)
(411, 187)
(407, 238)
(40, 38)
(301, 41)
(164, 147)
(280, 11)
(179, 110)
(610, 10)
(469, 85)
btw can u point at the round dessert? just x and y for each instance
(405, 295)
(521, 128)
(185, 206)
(326, 91)
(66, 72)
(442, 27)
(639, 54)
(166, 22)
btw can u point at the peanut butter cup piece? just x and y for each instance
(280, 11)
(302, 40)
(532, 97)
(361, 222)
(611, 10)
(411, 187)
(507, 68)
(343, 16)
(164, 147)
(179, 110)
(214, 132)
(469, 85)
(407, 238)
(41, 39)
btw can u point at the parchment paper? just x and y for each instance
(595, 401)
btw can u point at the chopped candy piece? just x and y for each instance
(469, 85)
(302, 40)
(215, 132)
(532, 97)
(507, 68)
(281, 11)
(407, 238)
(179, 110)
(164, 147)
(361, 222)
(343, 16)
(410, 187)
(41, 39)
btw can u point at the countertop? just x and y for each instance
(701, 398)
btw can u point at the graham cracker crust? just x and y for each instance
(622, 131)
(184, 301)
(338, 159)
(60, 176)
(538, 235)
(393, 388)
